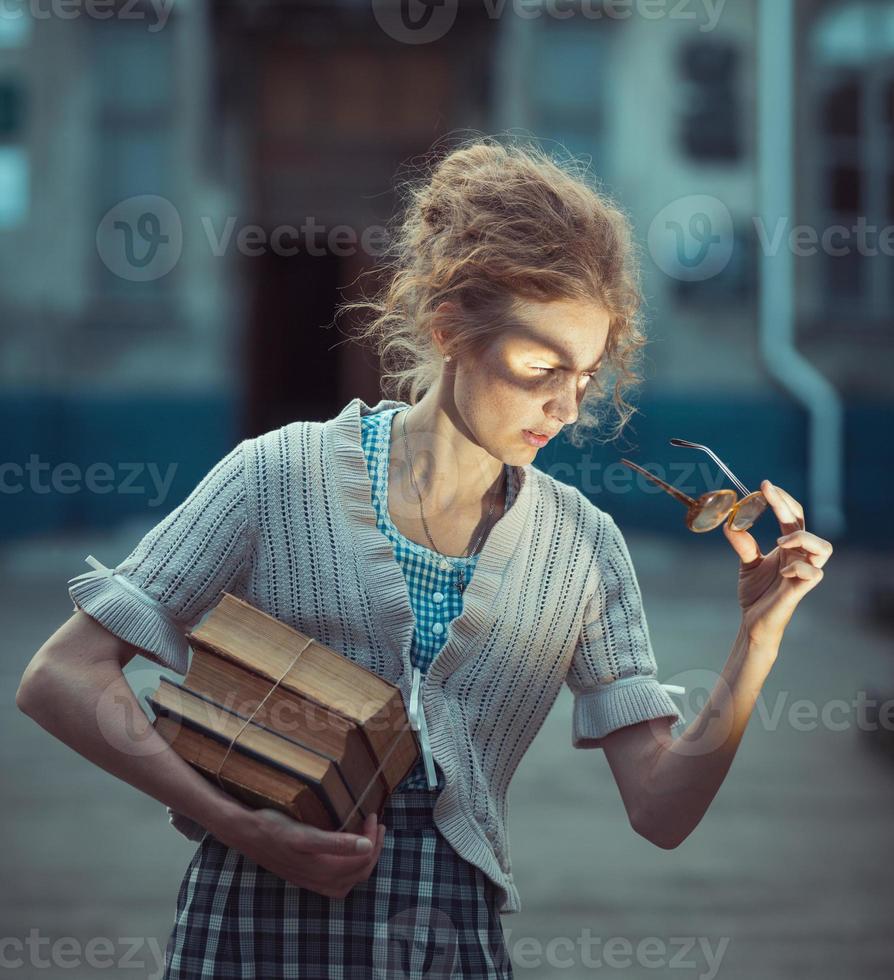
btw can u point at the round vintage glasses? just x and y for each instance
(711, 509)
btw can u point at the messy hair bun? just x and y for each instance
(488, 225)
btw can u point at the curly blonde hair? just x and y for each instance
(489, 225)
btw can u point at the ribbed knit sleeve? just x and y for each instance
(613, 674)
(178, 570)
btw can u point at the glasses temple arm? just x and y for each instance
(742, 488)
(673, 491)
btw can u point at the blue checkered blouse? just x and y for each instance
(434, 598)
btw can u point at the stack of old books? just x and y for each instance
(278, 719)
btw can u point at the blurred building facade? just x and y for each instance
(156, 303)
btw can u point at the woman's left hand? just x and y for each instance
(772, 585)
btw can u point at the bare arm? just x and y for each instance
(667, 784)
(74, 688)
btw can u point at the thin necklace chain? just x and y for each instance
(460, 584)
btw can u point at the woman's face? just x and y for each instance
(533, 377)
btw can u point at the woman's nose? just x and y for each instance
(563, 408)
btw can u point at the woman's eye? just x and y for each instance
(589, 375)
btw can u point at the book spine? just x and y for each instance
(249, 753)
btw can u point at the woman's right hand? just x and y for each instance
(324, 861)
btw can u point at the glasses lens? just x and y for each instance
(749, 510)
(714, 507)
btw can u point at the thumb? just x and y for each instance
(743, 544)
(316, 841)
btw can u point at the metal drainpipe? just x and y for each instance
(776, 121)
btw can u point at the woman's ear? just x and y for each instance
(440, 330)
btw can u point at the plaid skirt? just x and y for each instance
(424, 912)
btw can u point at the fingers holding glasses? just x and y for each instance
(816, 549)
(788, 511)
(804, 572)
(799, 544)
(744, 545)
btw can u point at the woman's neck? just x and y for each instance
(451, 472)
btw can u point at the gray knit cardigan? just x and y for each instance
(285, 521)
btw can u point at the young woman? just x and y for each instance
(417, 538)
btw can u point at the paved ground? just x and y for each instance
(789, 874)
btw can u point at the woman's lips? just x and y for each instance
(535, 440)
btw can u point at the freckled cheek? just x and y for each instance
(510, 397)
(508, 406)
(517, 391)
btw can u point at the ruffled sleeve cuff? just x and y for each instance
(619, 703)
(110, 598)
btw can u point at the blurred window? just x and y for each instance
(14, 164)
(711, 122)
(851, 64)
(566, 80)
(15, 33)
(13, 186)
(134, 98)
